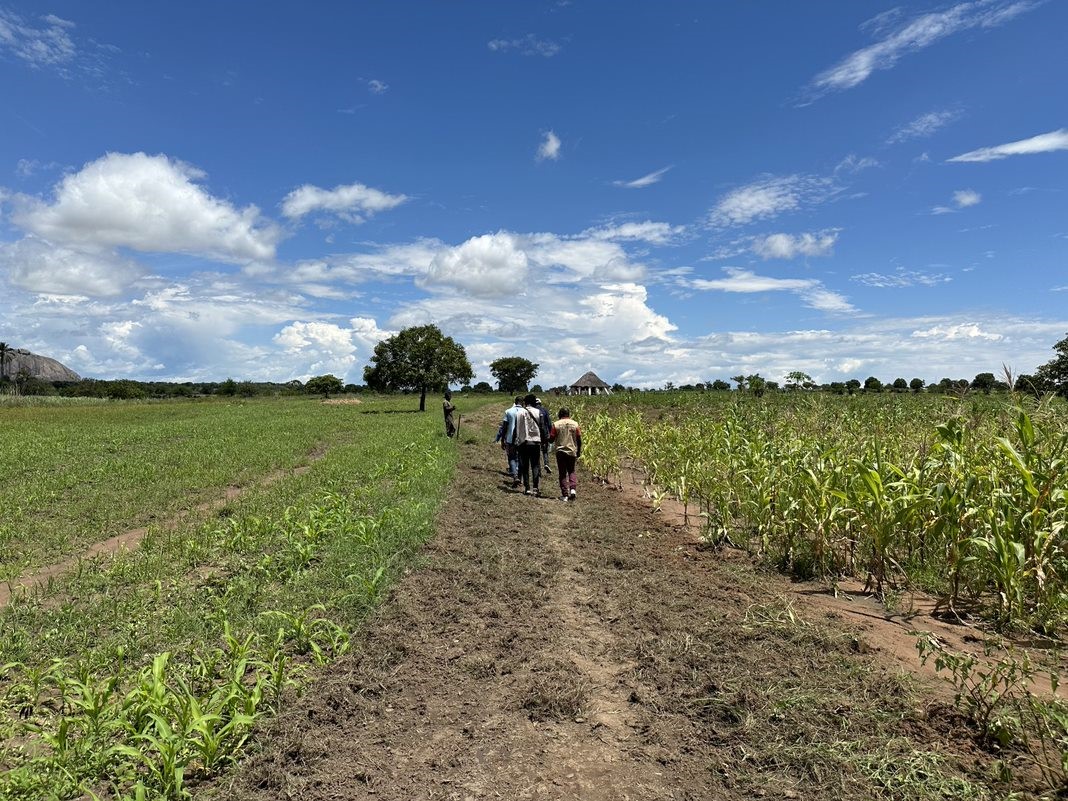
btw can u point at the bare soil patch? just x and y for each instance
(887, 630)
(586, 650)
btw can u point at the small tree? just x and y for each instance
(228, 387)
(797, 379)
(483, 386)
(1054, 373)
(719, 385)
(916, 384)
(984, 382)
(324, 385)
(513, 373)
(420, 358)
(852, 385)
(756, 384)
(900, 385)
(873, 384)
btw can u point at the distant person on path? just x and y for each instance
(448, 408)
(568, 440)
(506, 436)
(547, 423)
(529, 436)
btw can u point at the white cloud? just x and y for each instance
(377, 87)
(150, 204)
(49, 45)
(923, 126)
(528, 45)
(901, 278)
(38, 266)
(352, 202)
(655, 233)
(1043, 143)
(769, 197)
(549, 147)
(923, 31)
(789, 246)
(962, 199)
(963, 331)
(492, 265)
(644, 181)
(811, 291)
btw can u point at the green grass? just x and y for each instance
(74, 475)
(148, 671)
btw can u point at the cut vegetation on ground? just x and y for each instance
(533, 649)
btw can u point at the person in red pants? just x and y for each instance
(567, 437)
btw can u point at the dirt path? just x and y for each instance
(547, 650)
(130, 539)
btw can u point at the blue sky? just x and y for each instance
(659, 192)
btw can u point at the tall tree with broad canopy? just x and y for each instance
(419, 358)
(513, 373)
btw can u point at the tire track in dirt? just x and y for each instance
(544, 650)
(131, 538)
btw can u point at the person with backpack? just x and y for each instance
(506, 436)
(528, 436)
(567, 437)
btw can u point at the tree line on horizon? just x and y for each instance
(421, 359)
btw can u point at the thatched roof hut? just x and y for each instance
(590, 384)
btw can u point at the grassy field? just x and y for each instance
(138, 675)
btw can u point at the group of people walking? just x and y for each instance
(526, 434)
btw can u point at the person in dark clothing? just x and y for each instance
(546, 423)
(448, 408)
(528, 437)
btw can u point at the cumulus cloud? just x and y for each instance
(923, 126)
(549, 147)
(491, 265)
(790, 246)
(150, 204)
(377, 87)
(529, 45)
(811, 291)
(899, 39)
(644, 181)
(1043, 143)
(352, 202)
(38, 266)
(769, 197)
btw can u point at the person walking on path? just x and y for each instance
(567, 437)
(547, 423)
(448, 408)
(528, 437)
(506, 436)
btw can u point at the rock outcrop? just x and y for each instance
(36, 366)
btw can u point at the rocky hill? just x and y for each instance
(40, 367)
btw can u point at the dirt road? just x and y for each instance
(548, 650)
